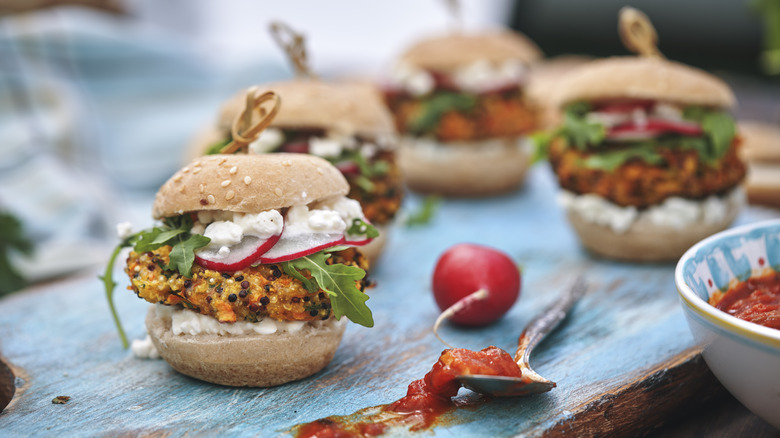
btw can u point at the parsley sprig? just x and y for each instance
(337, 280)
(174, 232)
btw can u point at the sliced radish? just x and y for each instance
(348, 168)
(241, 255)
(624, 106)
(299, 147)
(289, 248)
(653, 128)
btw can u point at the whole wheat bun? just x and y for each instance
(465, 169)
(644, 78)
(347, 107)
(248, 184)
(248, 360)
(448, 52)
(761, 151)
(645, 241)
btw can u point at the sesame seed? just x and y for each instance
(278, 191)
(233, 170)
(202, 188)
(320, 171)
(229, 195)
(222, 161)
(211, 199)
(182, 189)
(197, 169)
(286, 163)
(225, 183)
(247, 180)
(177, 177)
(185, 170)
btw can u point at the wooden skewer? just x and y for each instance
(293, 44)
(242, 129)
(637, 33)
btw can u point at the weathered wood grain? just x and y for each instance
(624, 360)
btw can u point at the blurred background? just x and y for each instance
(99, 99)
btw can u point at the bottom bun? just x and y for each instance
(763, 184)
(646, 241)
(247, 360)
(466, 169)
(374, 249)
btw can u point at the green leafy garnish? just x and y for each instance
(216, 148)
(720, 128)
(577, 131)
(611, 160)
(175, 232)
(434, 108)
(338, 281)
(424, 214)
(11, 239)
(360, 227)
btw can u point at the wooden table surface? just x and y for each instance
(624, 360)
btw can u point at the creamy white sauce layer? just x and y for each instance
(476, 77)
(187, 322)
(225, 229)
(674, 212)
(332, 145)
(638, 116)
(144, 348)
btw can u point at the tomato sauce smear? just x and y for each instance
(426, 399)
(756, 300)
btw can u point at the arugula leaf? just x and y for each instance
(309, 283)
(175, 232)
(578, 131)
(434, 108)
(541, 144)
(216, 148)
(720, 129)
(360, 227)
(338, 281)
(183, 252)
(611, 160)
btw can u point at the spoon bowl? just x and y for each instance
(530, 382)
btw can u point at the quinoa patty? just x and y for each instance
(639, 184)
(495, 114)
(382, 200)
(249, 294)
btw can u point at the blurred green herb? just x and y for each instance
(424, 214)
(433, 109)
(11, 240)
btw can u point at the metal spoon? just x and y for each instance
(530, 382)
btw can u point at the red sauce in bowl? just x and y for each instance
(756, 300)
(426, 399)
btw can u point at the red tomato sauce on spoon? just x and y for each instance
(426, 399)
(756, 300)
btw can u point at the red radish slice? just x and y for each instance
(348, 168)
(625, 106)
(289, 248)
(301, 147)
(653, 128)
(241, 255)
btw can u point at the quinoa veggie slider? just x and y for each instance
(647, 152)
(252, 269)
(458, 101)
(343, 122)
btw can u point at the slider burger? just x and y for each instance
(252, 268)
(344, 123)
(458, 102)
(646, 156)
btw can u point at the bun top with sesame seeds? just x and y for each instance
(450, 51)
(248, 184)
(348, 107)
(635, 77)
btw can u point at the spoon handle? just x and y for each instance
(543, 324)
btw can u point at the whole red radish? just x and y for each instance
(475, 285)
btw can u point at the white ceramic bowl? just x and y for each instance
(744, 356)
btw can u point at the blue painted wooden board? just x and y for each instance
(624, 360)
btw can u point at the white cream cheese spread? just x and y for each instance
(674, 212)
